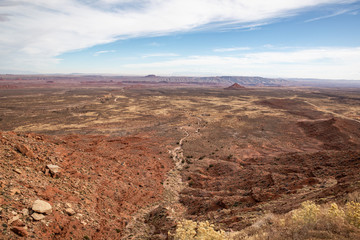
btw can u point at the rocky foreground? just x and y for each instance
(75, 187)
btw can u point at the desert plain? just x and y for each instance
(135, 159)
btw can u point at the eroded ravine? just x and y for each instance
(173, 185)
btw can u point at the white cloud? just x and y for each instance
(160, 55)
(331, 63)
(35, 32)
(102, 52)
(231, 49)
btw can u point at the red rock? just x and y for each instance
(18, 223)
(21, 231)
(25, 150)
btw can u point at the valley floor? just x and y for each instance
(132, 163)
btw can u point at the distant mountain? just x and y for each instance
(153, 79)
(245, 81)
(9, 71)
(235, 86)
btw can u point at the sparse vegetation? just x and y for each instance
(310, 221)
(352, 213)
(188, 230)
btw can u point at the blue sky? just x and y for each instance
(294, 38)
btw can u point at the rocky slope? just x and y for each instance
(92, 184)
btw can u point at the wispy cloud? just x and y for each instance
(231, 49)
(331, 63)
(154, 44)
(102, 52)
(37, 31)
(337, 13)
(160, 55)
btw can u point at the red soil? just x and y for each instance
(224, 191)
(104, 179)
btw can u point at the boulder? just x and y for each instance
(37, 216)
(41, 206)
(54, 170)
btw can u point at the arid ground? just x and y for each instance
(135, 160)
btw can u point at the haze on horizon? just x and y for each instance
(289, 39)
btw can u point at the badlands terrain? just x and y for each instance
(119, 159)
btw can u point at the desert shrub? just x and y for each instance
(190, 230)
(352, 213)
(326, 221)
(310, 221)
(307, 214)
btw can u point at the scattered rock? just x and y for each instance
(37, 216)
(25, 150)
(54, 170)
(18, 223)
(21, 231)
(17, 217)
(70, 211)
(41, 206)
(25, 212)
(14, 191)
(17, 171)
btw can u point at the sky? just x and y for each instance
(273, 38)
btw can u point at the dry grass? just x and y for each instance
(188, 230)
(311, 221)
